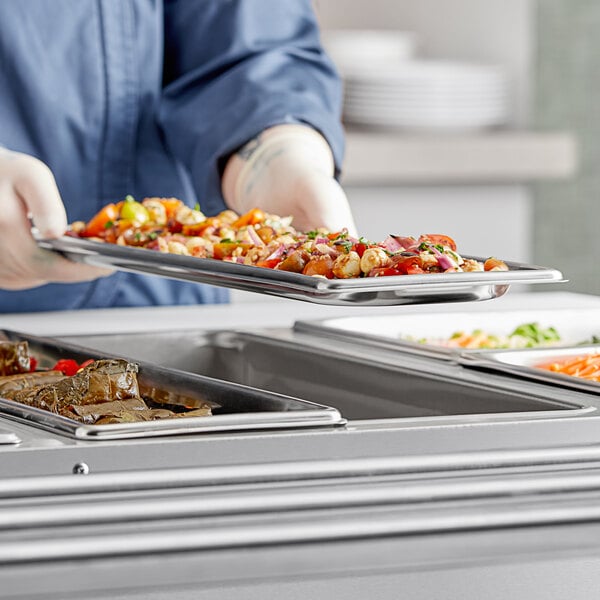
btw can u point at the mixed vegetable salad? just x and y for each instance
(526, 335)
(264, 240)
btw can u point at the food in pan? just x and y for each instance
(586, 366)
(270, 241)
(526, 335)
(14, 358)
(99, 392)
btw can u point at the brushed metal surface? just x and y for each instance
(355, 382)
(236, 407)
(368, 291)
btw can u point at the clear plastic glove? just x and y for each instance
(288, 170)
(28, 191)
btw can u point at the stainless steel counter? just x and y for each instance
(443, 484)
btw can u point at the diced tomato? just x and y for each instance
(384, 272)
(172, 205)
(408, 265)
(101, 221)
(68, 366)
(252, 217)
(33, 363)
(294, 262)
(437, 238)
(269, 263)
(174, 226)
(226, 249)
(266, 234)
(494, 264)
(197, 229)
(360, 248)
(320, 265)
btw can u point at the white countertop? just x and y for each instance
(262, 313)
(376, 157)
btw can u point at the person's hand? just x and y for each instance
(288, 170)
(28, 193)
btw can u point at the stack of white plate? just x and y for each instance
(364, 49)
(432, 95)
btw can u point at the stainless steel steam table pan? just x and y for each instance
(375, 291)
(237, 407)
(402, 332)
(522, 363)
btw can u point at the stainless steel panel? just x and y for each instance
(8, 437)
(373, 291)
(356, 384)
(237, 407)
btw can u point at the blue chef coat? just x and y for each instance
(149, 98)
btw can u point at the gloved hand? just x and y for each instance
(28, 190)
(288, 170)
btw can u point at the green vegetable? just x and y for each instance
(346, 245)
(535, 334)
(595, 339)
(134, 211)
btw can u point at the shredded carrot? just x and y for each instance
(586, 367)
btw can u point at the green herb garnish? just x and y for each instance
(346, 245)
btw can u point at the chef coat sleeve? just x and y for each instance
(235, 67)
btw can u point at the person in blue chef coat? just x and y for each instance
(225, 103)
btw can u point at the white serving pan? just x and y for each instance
(574, 327)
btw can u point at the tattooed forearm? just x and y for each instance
(246, 151)
(268, 152)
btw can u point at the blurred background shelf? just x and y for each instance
(490, 157)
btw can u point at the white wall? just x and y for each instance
(496, 31)
(484, 220)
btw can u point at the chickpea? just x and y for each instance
(189, 216)
(199, 247)
(252, 256)
(347, 266)
(227, 217)
(156, 210)
(78, 226)
(470, 265)
(373, 258)
(227, 233)
(177, 248)
(163, 245)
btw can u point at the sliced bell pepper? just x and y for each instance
(101, 221)
(252, 217)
